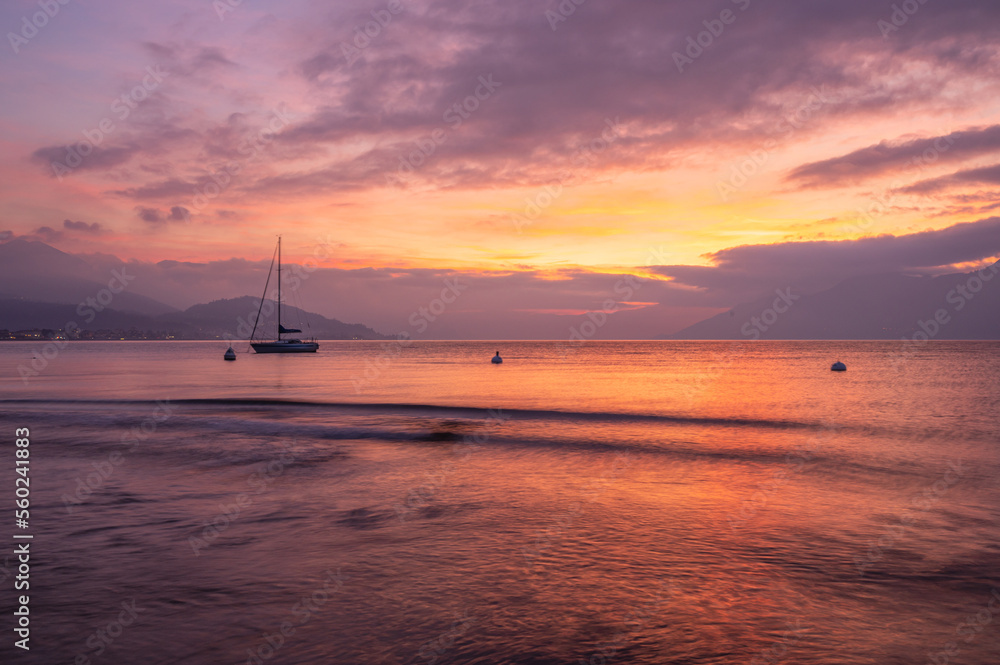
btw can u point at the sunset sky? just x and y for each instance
(539, 150)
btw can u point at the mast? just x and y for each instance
(279, 288)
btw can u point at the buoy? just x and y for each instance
(838, 367)
(230, 354)
(497, 359)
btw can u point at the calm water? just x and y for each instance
(630, 502)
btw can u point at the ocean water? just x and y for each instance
(601, 502)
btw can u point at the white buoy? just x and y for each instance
(838, 367)
(497, 359)
(230, 354)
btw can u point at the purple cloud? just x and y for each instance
(987, 175)
(83, 227)
(748, 270)
(888, 156)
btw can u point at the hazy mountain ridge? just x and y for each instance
(43, 287)
(33, 271)
(219, 319)
(886, 306)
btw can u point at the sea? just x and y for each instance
(581, 503)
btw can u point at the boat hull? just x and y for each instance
(285, 347)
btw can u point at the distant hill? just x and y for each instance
(234, 316)
(888, 306)
(33, 271)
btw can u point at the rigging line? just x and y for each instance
(266, 283)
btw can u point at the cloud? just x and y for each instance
(741, 273)
(151, 215)
(83, 227)
(188, 59)
(525, 303)
(156, 216)
(46, 234)
(986, 175)
(63, 160)
(164, 189)
(558, 86)
(891, 156)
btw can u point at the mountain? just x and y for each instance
(33, 271)
(886, 306)
(233, 317)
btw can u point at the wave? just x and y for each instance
(439, 409)
(249, 438)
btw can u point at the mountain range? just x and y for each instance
(879, 306)
(232, 317)
(43, 287)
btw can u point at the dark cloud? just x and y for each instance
(156, 216)
(747, 271)
(63, 160)
(888, 156)
(987, 175)
(211, 56)
(83, 227)
(172, 188)
(150, 215)
(46, 234)
(380, 103)
(559, 86)
(188, 60)
(526, 303)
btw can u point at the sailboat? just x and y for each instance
(280, 345)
